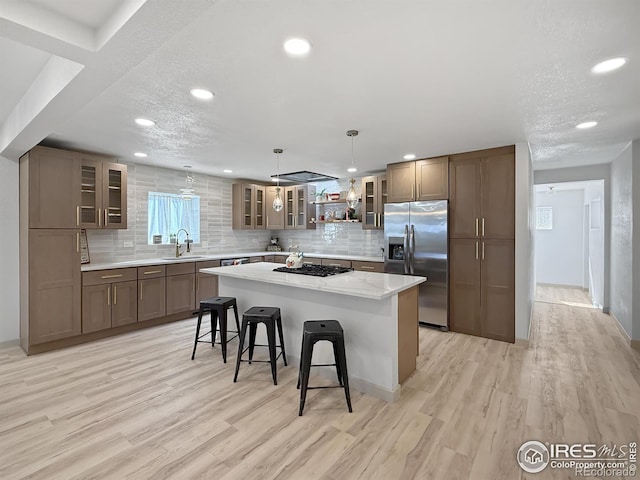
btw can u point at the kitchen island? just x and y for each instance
(378, 313)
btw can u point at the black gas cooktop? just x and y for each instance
(314, 270)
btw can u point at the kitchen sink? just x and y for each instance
(194, 257)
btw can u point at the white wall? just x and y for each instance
(559, 251)
(594, 197)
(622, 239)
(9, 245)
(635, 166)
(524, 244)
(591, 172)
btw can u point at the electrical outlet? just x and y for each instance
(128, 244)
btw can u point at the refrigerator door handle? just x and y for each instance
(405, 246)
(412, 249)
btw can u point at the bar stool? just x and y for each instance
(218, 307)
(314, 331)
(270, 317)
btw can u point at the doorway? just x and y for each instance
(569, 243)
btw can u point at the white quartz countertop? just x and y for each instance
(372, 285)
(217, 256)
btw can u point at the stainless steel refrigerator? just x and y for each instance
(415, 236)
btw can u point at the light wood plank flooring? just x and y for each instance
(137, 407)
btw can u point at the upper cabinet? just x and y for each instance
(420, 180)
(275, 220)
(52, 179)
(298, 209)
(248, 207)
(103, 194)
(72, 189)
(374, 196)
(482, 194)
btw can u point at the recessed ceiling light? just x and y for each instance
(140, 154)
(586, 125)
(410, 156)
(352, 169)
(608, 65)
(201, 93)
(145, 122)
(227, 171)
(297, 47)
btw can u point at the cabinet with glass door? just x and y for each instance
(374, 197)
(103, 190)
(298, 210)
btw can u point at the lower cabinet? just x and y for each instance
(334, 262)
(181, 287)
(206, 284)
(482, 287)
(109, 299)
(151, 292)
(368, 266)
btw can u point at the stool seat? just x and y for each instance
(314, 331)
(270, 317)
(218, 307)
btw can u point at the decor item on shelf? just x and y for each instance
(187, 192)
(321, 195)
(273, 245)
(277, 202)
(352, 168)
(352, 196)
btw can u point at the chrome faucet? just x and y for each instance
(187, 241)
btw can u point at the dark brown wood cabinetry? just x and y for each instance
(482, 243)
(374, 197)
(419, 180)
(206, 284)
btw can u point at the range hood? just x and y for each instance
(304, 176)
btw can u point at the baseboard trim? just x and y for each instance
(561, 285)
(635, 344)
(10, 343)
(355, 383)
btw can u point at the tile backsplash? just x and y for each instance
(216, 234)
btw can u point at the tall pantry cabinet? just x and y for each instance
(51, 206)
(482, 243)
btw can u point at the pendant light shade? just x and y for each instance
(278, 205)
(187, 192)
(352, 195)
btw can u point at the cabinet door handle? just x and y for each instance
(476, 250)
(419, 191)
(108, 295)
(482, 250)
(412, 189)
(267, 221)
(106, 217)
(77, 242)
(112, 276)
(99, 217)
(483, 226)
(150, 272)
(193, 284)
(141, 291)
(476, 226)
(364, 267)
(115, 295)
(77, 215)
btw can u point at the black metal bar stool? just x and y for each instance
(270, 317)
(314, 331)
(218, 307)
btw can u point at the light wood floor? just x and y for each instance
(572, 296)
(137, 407)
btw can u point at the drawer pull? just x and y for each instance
(150, 272)
(115, 295)
(335, 264)
(112, 276)
(364, 267)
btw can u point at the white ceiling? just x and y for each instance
(426, 77)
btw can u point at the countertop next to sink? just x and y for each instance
(216, 256)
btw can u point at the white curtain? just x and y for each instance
(168, 213)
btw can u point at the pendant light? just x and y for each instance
(277, 202)
(187, 192)
(352, 195)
